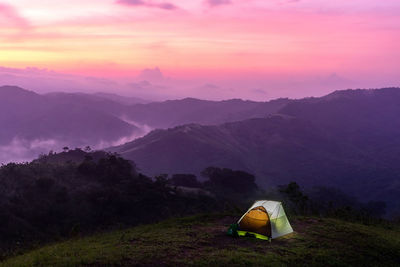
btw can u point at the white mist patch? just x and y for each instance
(143, 127)
(120, 141)
(143, 130)
(22, 150)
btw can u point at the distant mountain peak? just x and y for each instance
(14, 88)
(361, 92)
(10, 91)
(191, 99)
(281, 116)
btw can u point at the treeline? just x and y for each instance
(238, 188)
(329, 202)
(51, 198)
(43, 201)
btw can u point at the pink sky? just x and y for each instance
(243, 47)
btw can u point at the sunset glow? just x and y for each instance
(186, 39)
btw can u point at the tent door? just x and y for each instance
(256, 221)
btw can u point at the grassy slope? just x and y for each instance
(201, 240)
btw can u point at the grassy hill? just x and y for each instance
(202, 240)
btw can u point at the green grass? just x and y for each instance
(202, 241)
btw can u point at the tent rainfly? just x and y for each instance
(265, 220)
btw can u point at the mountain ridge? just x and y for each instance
(350, 141)
(37, 123)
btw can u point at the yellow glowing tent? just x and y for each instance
(265, 219)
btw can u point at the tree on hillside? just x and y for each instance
(227, 180)
(188, 180)
(41, 201)
(326, 201)
(295, 196)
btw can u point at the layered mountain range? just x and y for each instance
(348, 139)
(33, 123)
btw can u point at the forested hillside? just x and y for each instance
(348, 139)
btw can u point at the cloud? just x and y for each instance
(44, 81)
(259, 91)
(214, 3)
(151, 75)
(12, 17)
(163, 5)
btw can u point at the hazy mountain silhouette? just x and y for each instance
(348, 139)
(31, 122)
(34, 123)
(122, 99)
(190, 110)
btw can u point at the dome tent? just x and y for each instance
(265, 219)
